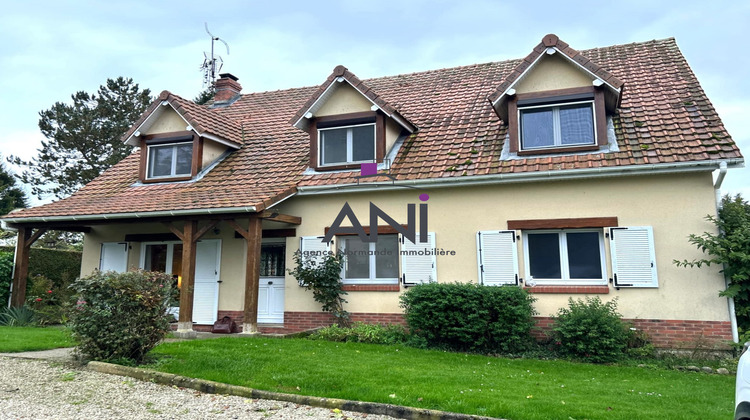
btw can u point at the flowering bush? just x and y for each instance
(120, 316)
(50, 302)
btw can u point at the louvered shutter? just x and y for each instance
(497, 257)
(312, 248)
(114, 257)
(633, 256)
(416, 268)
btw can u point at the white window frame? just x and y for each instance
(173, 169)
(556, 130)
(170, 254)
(372, 266)
(564, 268)
(349, 145)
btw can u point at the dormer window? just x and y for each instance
(170, 160)
(176, 156)
(558, 121)
(560, 125)
(347, 145)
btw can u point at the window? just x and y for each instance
(564, 257)
(170, 160)
(548, 126)
(272, 260)
(345, 145)
(374, 262)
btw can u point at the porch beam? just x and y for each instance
(276, 217)
(188, 236)
(252, 273)
(173, 229)
(202, 231)
(239, 229)
(26, 237)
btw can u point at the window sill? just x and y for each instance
(602, 290)
(571, 149)
(371, 288)
(167, 179)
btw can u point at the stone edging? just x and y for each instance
(211, 387)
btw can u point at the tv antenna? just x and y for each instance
(212, 65)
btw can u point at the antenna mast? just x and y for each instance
(212, 65)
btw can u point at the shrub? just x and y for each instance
(324, 280)
(591, 331)
(50, 301)
(467, 317)
(17, 317)
(6, 272)
(120, 316)
(363, 333)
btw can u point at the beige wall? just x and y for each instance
(169, 121)
(345, 99)
(674, 205)
(553, 72)
(211, 151)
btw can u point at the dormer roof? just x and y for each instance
(549, 45)
(326, 90)
(203, 121)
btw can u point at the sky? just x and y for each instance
(50, 50)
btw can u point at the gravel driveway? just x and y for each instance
(35, 389)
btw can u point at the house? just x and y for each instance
(569, 173)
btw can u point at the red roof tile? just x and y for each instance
(664, 117)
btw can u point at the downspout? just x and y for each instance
(730, 301)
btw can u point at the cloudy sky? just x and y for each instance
(49, 49)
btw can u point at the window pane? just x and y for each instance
(544, 255)
(271, 260)
(363, 142)
(333, 143)
(177, 259)
(537, 128)
(386, 257)
(160, 161)
(184, 159)
(576, 124)
(584, 256)
(156, 258)
(357, 259)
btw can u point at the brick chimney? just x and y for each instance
(227, 88)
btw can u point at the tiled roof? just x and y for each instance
(199, 117)
(552, 41)
(356, 83)
(664, 117)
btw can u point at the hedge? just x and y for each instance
(58, 266)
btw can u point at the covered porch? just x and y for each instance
(188, 233)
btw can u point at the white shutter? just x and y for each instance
(313, 249)
(497, 257)
(416, 268)
(633, 256)
(114, 257)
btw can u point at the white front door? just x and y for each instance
(271, 284)
(206, 290)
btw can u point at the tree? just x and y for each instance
(83, 139)
(205, 96)
(11, 195)
(730, 248)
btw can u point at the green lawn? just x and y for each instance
(16, 339)
(472, 384)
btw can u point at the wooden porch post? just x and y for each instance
(185, 321)
(252, 237)
(21, 269)
(252, 276)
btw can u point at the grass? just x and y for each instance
(17, 339)
(457, 382)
